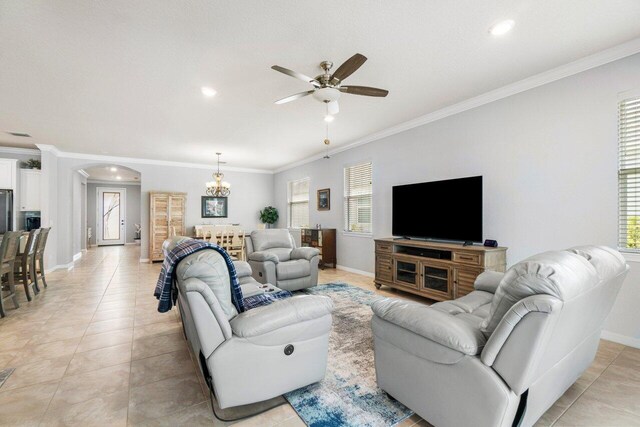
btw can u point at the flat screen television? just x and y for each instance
(449, 210)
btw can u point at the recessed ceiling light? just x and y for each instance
(112, 169)
(328, 118)
(208, 92)
(118, 177)
(502, 27)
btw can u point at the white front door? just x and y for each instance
(111, 216)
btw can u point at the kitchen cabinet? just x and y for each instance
(30, 188)
(8, 174)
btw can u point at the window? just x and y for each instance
(629, 174)
(358, 198)
(299, 203)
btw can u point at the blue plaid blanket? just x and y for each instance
(167, 293)
(264, 299)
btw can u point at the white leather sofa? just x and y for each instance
(274, 259)
(506, 351)
(256, 355)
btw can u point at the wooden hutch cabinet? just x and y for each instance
(323, 239)
(439, 271)
(167, 218)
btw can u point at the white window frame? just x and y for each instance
(290, 203)
(346, 197)
(623, 172)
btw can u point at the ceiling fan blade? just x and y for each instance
(364, 90)
(333, 108)
(293, 97)
(297, 75)
(349, 67)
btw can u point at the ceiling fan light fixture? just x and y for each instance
(501, 28)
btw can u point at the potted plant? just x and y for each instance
(33, 164)
(138, 232)
(269, 216)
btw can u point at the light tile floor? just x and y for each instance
(91, 349)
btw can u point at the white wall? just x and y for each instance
(250, 193)
(133, 205)
(549, 161)
(49, 204)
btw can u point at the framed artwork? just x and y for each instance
(214, 207)
(324, 199)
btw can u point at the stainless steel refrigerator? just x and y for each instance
(6, 211)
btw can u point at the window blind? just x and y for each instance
(358, 192)
(629, 174)
(299, 203)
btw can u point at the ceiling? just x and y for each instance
(106, 173)
(123, 78)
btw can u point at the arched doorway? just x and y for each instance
(111, 201)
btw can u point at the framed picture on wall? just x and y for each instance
(214, 207)
(324, 199)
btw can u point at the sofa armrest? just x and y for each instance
(243, 269)
(290, 311)
(263, 256)
(488, 281)
(304, 253)
(434, 325)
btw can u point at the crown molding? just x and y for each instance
(83, 173)
(112, 183)
(49, 148)
(592, 61)
(118, 159)
(18, 150)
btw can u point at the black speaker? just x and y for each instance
(491, 243)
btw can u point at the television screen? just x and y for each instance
(439, 210)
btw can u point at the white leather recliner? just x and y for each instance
(506, 351)
(274, 259)
(256, 355)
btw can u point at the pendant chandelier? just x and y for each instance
(218, 188)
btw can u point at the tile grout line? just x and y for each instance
(74, 353)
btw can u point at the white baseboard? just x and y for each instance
(130, 244)
(77, 256)
(84, 251)
(68, 266)
(620, 339)
(144, 259)
(355, 270)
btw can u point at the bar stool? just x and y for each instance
(8, 251)
(38, 258)
(24, 263)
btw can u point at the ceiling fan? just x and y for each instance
(328, 87)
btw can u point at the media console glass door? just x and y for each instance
(407, 273)
(436, 279)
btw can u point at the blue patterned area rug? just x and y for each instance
(348, 395)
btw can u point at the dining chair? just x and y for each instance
(8, 251)
(38, 258)
(236, 244)
(24, 267)
(225, 238)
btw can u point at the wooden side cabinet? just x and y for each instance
(323, 239)
(167, 219)
(438, 271)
